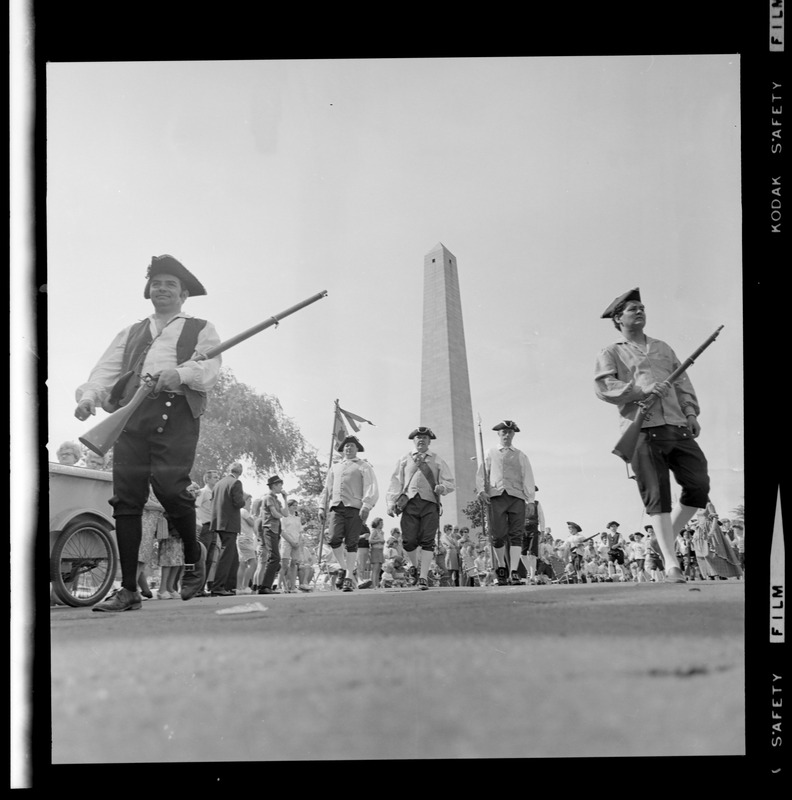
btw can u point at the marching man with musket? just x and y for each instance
(158, 442)
(350, 492)
(643, 377)
(505, 482)
(420, 479)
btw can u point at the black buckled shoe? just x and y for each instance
(500, 576)
(516, 580)
(121, 600)
(347, 585)
(194, 576)
(423, 583)
(340, 579)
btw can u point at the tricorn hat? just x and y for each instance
(274, 479)
(637, 533)
(507, 425)
(168, 265)
(354, 441)
(633, 294)
(422, 430)
(575, 526)
(648, 527)
(613, 522)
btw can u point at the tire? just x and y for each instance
(83, 563)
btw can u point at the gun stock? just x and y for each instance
(625, 447)
(104, 435)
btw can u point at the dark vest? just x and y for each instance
(139, 341)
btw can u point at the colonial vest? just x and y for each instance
(139, 341)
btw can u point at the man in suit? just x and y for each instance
(227, 500)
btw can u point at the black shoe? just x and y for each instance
(347, 585)
(500, 575)
(423, 583)
(194, 576)
(340, 578)
(267, 590)
(122, 600)
(219, 593)
(516, 580)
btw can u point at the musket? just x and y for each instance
(104, 435)
(625, 447)
(485, 507)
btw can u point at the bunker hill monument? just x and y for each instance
(445, 385)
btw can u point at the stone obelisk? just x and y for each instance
(445, 385)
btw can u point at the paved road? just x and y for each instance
(512, 672)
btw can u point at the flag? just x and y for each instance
(353, 419)
(341, 431)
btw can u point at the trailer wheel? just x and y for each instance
(83, 563)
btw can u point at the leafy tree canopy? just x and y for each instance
(242, 424)
(473, 511)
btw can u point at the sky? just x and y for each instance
(557, 183)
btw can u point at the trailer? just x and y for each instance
(83, 550)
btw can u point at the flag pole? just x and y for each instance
(329, 467)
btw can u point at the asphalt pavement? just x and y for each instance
(561, 671)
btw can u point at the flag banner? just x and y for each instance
(341, 431)
(353, 419)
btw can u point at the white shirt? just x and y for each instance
(198, 375)
(203, 506)
(509, 471)
(351, 482)
(408, 479)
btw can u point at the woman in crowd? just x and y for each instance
(464, 543)
(377, 548)
(739, 542)
(363, 568)
(171, 560)
(69, 453)
(291, 530)
(246, 547)
(713, 548)
(449, 540)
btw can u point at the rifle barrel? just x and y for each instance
(625, 447)
(273, 320)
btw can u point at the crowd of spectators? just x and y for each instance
(708, 548)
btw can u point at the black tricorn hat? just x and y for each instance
(274, 479)
(613, 522)
(633, 294)
(168, 265)
(354, 441)
(422, 430)
(576, 526)
(507, 425)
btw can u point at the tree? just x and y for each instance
(310, 477)
(240, 424)
(310, 472)
(473, 512)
